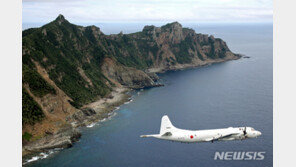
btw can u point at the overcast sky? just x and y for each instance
(95, 11)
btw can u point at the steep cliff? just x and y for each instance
(66, 66)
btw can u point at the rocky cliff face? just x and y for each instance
(66, 66)
(126, 76)
(168, 47)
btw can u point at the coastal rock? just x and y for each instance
(64, 138)
(83, 117)
(153, 76)
(88, 111)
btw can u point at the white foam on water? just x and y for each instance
(32, 159)
(41, 156)
(91, 125)
(130, 100)
(44, 155)
(112, 114)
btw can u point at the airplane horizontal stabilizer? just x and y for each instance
(167, 134)
(155, 135)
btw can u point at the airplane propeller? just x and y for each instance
(245, 132)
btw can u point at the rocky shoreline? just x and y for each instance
(192, 65)
(89, 114)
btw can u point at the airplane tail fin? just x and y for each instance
(166, 125)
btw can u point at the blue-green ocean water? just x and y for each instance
(234, 93)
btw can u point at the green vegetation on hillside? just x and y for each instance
(31, 111)
(27, 136)
(38, 86)
(61, 51)
(181, 51)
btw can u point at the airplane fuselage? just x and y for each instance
(169, 132)
(189, 136)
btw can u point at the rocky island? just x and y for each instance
(73, 76)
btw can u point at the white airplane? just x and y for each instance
(169, 132)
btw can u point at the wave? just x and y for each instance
(91, 125)
(111, 114)
(42, 155)
(32, 159)
(130, 100)
(103, 120)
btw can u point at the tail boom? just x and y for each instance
(154, 135)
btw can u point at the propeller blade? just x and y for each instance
(245, 131)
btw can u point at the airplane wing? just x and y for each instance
(221, 136)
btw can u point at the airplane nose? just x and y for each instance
(259, 133)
